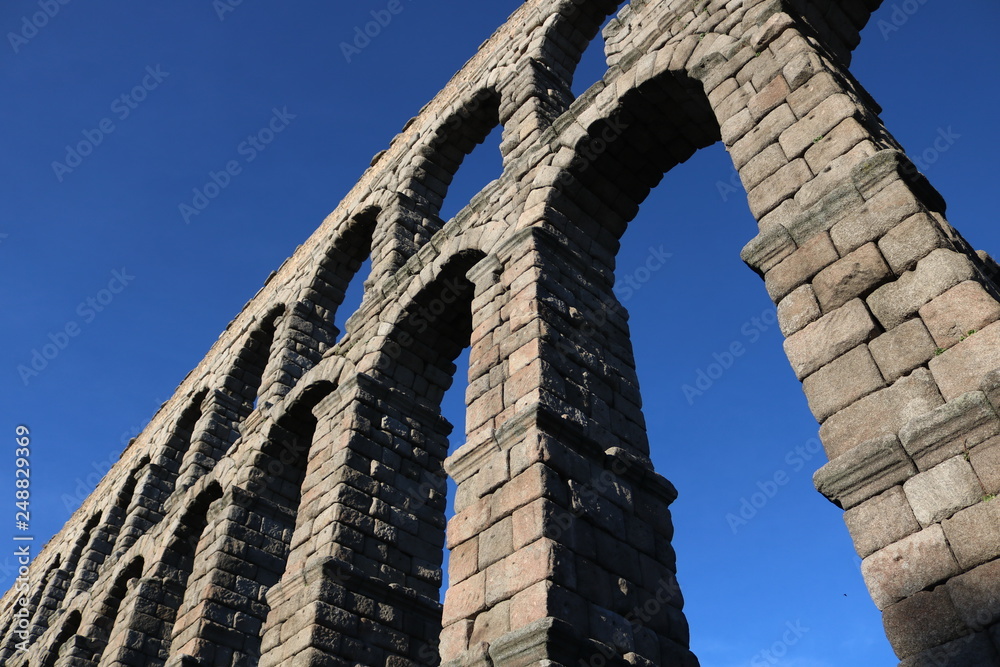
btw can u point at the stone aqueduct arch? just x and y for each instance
(286, 506)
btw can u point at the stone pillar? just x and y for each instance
(145, 509)
(141, 632)
(364, 572)
(560, 546)
(891, 325)
(246, 546)
(222, 623)
(216, 432)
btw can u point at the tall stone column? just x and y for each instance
(363, 574)
(560, 546)
(891, 324)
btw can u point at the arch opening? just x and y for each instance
(103, 626)
(123, 504)
(178, 562)
(653, 128)
(426, 352)
(589, 61)
(182, 436)
(62, 580)
(61, 644)
(475, 122)
(248, 374)
(347, 267)
(434, 329)
(480, 166)
(273, 501)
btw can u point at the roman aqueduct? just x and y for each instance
(287, 505)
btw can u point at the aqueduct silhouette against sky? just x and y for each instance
(286, 506)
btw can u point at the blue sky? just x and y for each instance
(99, 246)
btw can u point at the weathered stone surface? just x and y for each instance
(464, 561)
(964, 367)
(899, 351)
(910, 241)
(842, 382)
(881, 413)
(454, 639)
(834, 206)
(810, 129)
(769, 29)
(950, 429)
(848, 134)
(533, 642)
(762, 167)
(974, 533)
(808, 260)
(768, 99)
(876, 218)
(767, 249)
(886, 168)
(985, 459)
(496, 543)
(910, 565)
(810, 83)
(991, 387)
(491, 625)
(762, 135)
(956, 314)
(922, 621)
(976, 595)
(797, 310)
(941, 270)
(833, 176)
(854, 275)
(864, 472)
(973, 649)
(830, 337)
(778, 187)
(880, 521)
(542, 560)
(943, 490)
(465, 599)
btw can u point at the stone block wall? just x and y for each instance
(287, 504)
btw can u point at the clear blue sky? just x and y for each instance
(210, 83)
